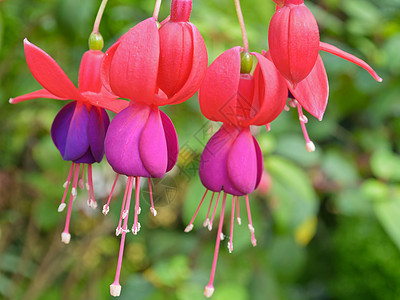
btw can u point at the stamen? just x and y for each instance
(118, 230)
(214, 211)
(209, 289)
(152, 209)
(115, 287)
(292, 103)
(286, 108)
(239, 220)
(65, 235)
(91, 190)
(81, 181)
(66, 186)
(106, 207)
(190, 226)
(268, 126)
(303, 119)
(135, 227)
(207, 220)
(250, 226)
(230, 243)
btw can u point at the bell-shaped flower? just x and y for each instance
(232, 161)
(312, 92)
(79, 129)
(294, 42)
(151, 67)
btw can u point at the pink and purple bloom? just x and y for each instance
(79, 129)
(151, 66)
(232, 162)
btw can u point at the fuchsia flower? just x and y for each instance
(232, 161)
(79, 129)
(294, 45)
(151, 67)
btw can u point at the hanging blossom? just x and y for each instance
(152, 66)
(79, 129)
(294, 46)
(232, 162)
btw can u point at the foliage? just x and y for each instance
(347, 193)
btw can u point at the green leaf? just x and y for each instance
(293, 197)
(293, 146)
(386, 165)
(375, 190)
(388, 214)
(340, 168)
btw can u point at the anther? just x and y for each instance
(65, 237)
(292, 103)
(303, 119)
(189, 228)
(230, 247)
(208, 291)
(139, 210)
(65, 185)
(74, 192)
(87, 186)
(106, 209)
(115, 290)
(310, 146)
(239, 220)
(124, 214)
(206, 222)
(222, 237)
(251, 228)
(61, 207)
(286, 108)
(118, 231)
(153, 211)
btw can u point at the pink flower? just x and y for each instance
(79, 129)
(232, 161)
(151, 67)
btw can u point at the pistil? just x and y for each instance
(209, 289)
(65, 235)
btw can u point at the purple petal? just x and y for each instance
(172, 140)
(153, 146)
(242, 163)
(122, 140)
(97, 132)
(77, 139)
(260, 162)
(60, 126)
(212, 167)
(86, 158)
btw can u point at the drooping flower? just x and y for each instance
(294, 42)
(152, 67)
(232, 161)
(79, 129)
(312, 92)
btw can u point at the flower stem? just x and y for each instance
(98, 17)
(242, 26)
(157, 9)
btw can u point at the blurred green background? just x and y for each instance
(328, 228)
